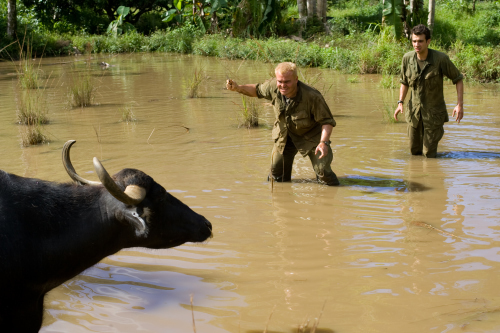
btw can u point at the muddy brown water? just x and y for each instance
(405, 244)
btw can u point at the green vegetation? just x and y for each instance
(353, 79)
(31, 99)
(32, 107)
(249, 114)
(128, 115)
(389, 82)
(83, 89)
(199, 76)
(356, 43)
(388, 113)
(32, 134)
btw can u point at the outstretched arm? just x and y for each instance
(459, 109)
(245, 89)
(403, 90)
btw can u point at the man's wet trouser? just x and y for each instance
(424, 141)
(281, 165)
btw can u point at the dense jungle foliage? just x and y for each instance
(352, 40)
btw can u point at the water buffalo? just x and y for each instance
(50, 232)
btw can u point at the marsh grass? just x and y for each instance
(307, 326)
(388, 113)
(353, 79)
(249, 112)
(314, 79)
(83, 89)
(199, 76)
(32, 134)
(32, 107)
(28, 71)
(128, 115)
(388, 82)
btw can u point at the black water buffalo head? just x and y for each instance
(158, 219)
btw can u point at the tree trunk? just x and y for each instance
(11, 18)
(301, 6)
(430, 21)
(322, 8)
(311, 8)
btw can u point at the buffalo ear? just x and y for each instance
(131, 216)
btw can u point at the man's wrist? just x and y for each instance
(326, 142)
(400, 102)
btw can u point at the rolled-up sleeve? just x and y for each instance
(266, 89)
(451, 71)
(322, 113)
(402, 77)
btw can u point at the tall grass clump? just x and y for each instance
(32, 107)
(249, 113)
(28, 72)
(32, 134)
(388, 113)
(388, 82)
(199, 76)
(128, 115)
(83, 89)
(314, 79)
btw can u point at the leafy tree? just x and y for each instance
(91, 13)
(118, 26)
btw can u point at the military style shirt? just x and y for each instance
(426, 87)
(301, 117)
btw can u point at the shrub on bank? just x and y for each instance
(365, 52)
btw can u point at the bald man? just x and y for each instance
(303, 123)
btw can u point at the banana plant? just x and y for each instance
(118, 26)
(393, 14)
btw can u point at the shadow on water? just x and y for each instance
(470, 155)
(306, 330)
(380, 184)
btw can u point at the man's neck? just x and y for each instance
(423, 55)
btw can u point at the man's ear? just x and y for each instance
(130, 215)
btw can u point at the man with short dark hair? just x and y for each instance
(303, 123)
(422, 70)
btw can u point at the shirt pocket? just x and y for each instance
(302, 120)
(432, 79)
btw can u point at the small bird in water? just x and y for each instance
(104, 64)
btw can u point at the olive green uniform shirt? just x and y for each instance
(301, 119)
(426, 87)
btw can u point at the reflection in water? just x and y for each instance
(379, 183)
(404, 245)
(473, 155)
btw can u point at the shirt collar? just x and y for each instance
(430, 57)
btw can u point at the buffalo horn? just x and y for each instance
(69, 167)
(133, 194)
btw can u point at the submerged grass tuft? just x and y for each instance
(32, 134)
(199, 76)
(388, 82)
(28, 71)
(32, 107)
(315, 80)
(388, 113)
(249, 113)
(128, 115)
(83, 89)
